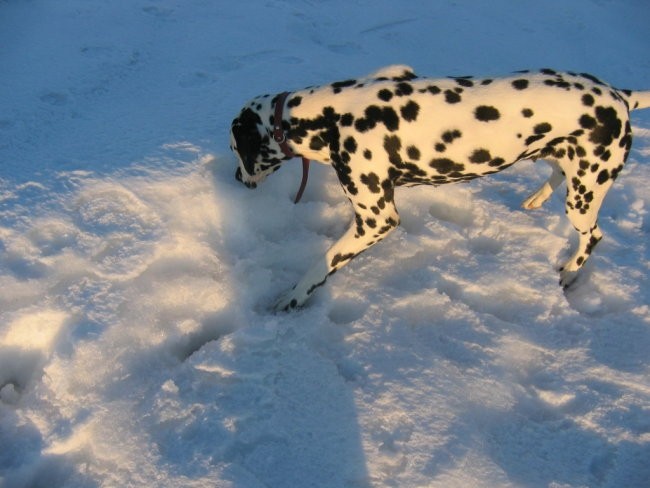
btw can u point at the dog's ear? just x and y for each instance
(248, 138)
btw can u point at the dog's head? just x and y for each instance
(252, 141)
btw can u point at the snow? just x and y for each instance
(137, 344)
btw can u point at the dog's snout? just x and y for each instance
(238, 177)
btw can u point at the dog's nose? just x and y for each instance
(238, 177)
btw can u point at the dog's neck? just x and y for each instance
(308, 138)
(280, 136)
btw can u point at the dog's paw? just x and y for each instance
(567, 278)
(287, 301)
(537, 199)
(532, 203)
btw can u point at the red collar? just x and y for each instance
(280, 137)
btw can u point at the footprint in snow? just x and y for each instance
(118, 230)
(54, 99)
(158, 12)
(345, 311)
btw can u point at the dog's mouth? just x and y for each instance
(252, 184)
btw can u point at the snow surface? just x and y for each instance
(137, 348)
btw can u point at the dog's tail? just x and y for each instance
(637, 100)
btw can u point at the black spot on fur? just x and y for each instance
(450, 135)
(338, 86)
(603, 176)
(410, 111)
(317, 143)
(413, 153)
(543, 128)
(371, 180)
(374, 115)
(392, 145)
(626, 140)
(403, 89)
(464, 81)
(390, 119)
(452, 97)
(341, 258)
(385, 94)
(408, 75)
(528, 113)
(531, 139)
(294, 102)
(445, 165)
(367, 154)
(520, 84)
(608, 127)
(480, 156)
(558, 82)
(350, 145)
(347, 120)
(592, 78)
(587, 122)
(343, 172)
(497, 162)
(486, 113)
(587, 100)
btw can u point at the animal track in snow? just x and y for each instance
(345, 310)
(119, 229)
(55, 99)
(158, 12)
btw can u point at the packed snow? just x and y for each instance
(138, 346)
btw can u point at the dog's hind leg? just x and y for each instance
(370, 225)
(538, 198)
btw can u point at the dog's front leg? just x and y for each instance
(367, 229)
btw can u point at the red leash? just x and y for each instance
(281, 138)
(303, 182)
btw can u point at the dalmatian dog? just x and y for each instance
(394, 128)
